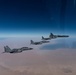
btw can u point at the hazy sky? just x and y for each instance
(36, 16)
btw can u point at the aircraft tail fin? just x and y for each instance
(42, 37)
(32, 42)
(7, 49)
(51, 35)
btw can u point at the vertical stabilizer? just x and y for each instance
(32, 42)
(7, 49)
(51, 35)
(42, 37)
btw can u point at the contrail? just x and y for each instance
(74, 3)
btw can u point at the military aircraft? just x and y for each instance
(46, 38)
(52, 36)
(8, 50)
(36, 43)
(19, 50)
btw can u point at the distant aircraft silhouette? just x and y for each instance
(52, 36)
(46, 38)
(36, 43)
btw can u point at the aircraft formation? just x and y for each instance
(44, 40)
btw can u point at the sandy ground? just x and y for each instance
(36, 62)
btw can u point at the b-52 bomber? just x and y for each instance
(52, 36)
(19, 50)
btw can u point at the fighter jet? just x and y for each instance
(52, 36)
(36, 43)
(46, 38)
(8, 50)
(19, 50)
